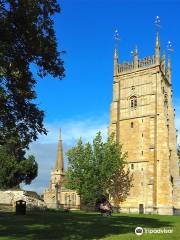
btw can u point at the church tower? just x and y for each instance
(58, 196)
(53, 195)
(143, 120)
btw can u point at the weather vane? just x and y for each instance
(116, 37)
(157, 22)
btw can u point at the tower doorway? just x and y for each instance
(141, 208)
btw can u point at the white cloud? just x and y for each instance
(73, 129)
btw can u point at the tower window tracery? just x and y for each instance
(133, 102)
(66, 199)
(73, 199)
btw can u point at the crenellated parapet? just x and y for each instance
(142, 63)
(137, 63)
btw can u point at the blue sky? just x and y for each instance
(79, 103)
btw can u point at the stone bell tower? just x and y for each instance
(142, 118)
(52, 196)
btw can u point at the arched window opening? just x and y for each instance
(73, 199)
(133, 102)
(66, 199)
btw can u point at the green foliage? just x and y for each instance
(13, 172)
(93, 170)
(27, 39)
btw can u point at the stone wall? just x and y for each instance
(66, 199)
(9, 198)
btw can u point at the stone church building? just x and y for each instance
(57, 196)
(143, 120)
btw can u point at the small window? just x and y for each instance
(142, 152)
(66, 199)
(142, 120)
(132, 124)
(165, 98)
(142, 135)
(141, 169)
(132, 166)
(133, 102)
(73, 197)
(172, 180)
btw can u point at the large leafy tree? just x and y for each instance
(97, 170)
(27, 38)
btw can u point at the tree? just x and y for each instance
(13, 172)
(97, 170)
(27, 38)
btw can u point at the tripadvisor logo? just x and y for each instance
(139, 231)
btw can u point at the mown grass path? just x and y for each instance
(57, 225)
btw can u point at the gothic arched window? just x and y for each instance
(66, 199)
(73, 199)
(133, 102)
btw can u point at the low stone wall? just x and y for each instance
(6, 208)
(148, 210)
(10, 197)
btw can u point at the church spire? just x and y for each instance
(115, 61)
(116, 65)
(59, 160)
(157, 49)
(169, 69)
(135, 57)
(170, 49)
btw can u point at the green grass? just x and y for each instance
(55, 225)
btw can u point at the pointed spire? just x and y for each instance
(135, 57)
(163, 63)
(115, 61)
(115, 53)
(60, 135)
(169, 69)
(169, 63)
(59, 160)
(157, 40)
(157, 49)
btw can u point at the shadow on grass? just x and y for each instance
(73, 225)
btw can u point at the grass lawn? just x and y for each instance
(53, 225)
